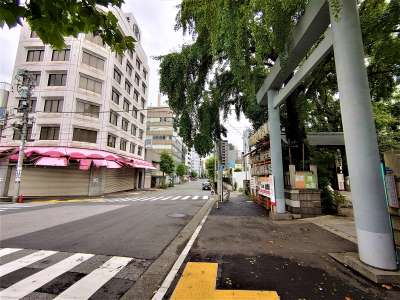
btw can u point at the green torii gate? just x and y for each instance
(374, 233)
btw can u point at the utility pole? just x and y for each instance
(24, 83)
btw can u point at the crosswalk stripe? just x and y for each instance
(195, 197)
(186, 197)
(88, 285)
(166, 198)
(156, 198)
(177, 197)
(30, 284)
(205, 197)
(6, 251)
(24, 261)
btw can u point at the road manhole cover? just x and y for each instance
(177, 215)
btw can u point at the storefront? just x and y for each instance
(63, 171)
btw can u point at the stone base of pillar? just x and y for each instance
(280, 217)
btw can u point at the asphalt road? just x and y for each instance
(136, 225)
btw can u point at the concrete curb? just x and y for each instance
(145, 287)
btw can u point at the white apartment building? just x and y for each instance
(86, 97)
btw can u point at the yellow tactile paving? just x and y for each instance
(198, 281)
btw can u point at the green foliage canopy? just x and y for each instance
(54, 20)
(210, 168)
(167, 163)
(181, 170)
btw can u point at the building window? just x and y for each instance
(130, 53)
(111, 140)
(92, 60)
(117, 76)
(126, 105)
(87, 109)
(136, 94)
(49, 132)
(84, 135)
(132, 147)
(138, 64)
(142, 118)
(144, 88)
(59, 79)
(134, 112)
(144, 74)
(53, 105)
(143, 103)
(35, 77)
(113, 118)
(35, 55)
(115, 96)
(90, 84)
(128, 87)
(60, 55)
(133, 130)
(139, 150)
(122, 145)
(31, 104)
(34, 35)
(17, 133)
(137, 79)
(124, 124)
(129, 68)
(119, 58)
(141, 134)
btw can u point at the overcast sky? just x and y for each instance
(156, 19)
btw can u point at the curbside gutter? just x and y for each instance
(148, 284)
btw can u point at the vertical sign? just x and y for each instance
(272, 189)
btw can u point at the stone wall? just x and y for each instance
(306, 203)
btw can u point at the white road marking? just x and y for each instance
(30, 284)
(159, 295)
(195, 197)
(177, 197)
(186, 197)
(88, 285)
(166, 198)
(157, 198)
(205, 197)
(24, 261)
(6, 251)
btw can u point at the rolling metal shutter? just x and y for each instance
(52, 181)
(119, 180)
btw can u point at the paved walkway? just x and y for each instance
(289, 257)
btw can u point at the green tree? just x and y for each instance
(181, 170)
(193, 174)
(235, 45)
(210, 168)
(54, 20)
(167, 165)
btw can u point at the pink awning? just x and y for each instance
(84, 164)
(138, 163)
(52, 161)
(113, 165)
(99, 163)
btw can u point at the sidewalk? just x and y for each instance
(289, 257)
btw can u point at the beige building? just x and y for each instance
(161, 136)
(86, 97)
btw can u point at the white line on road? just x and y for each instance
(87, 286)
(177, 197)
(30, 284)
(195, 197)
(205, 197)
(159, 295)
(166, 198)
(186, 197)
(6, 251)
(157, 198)
(24, 261)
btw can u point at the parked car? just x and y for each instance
(206, 186)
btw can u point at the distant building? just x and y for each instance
(161, 136)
